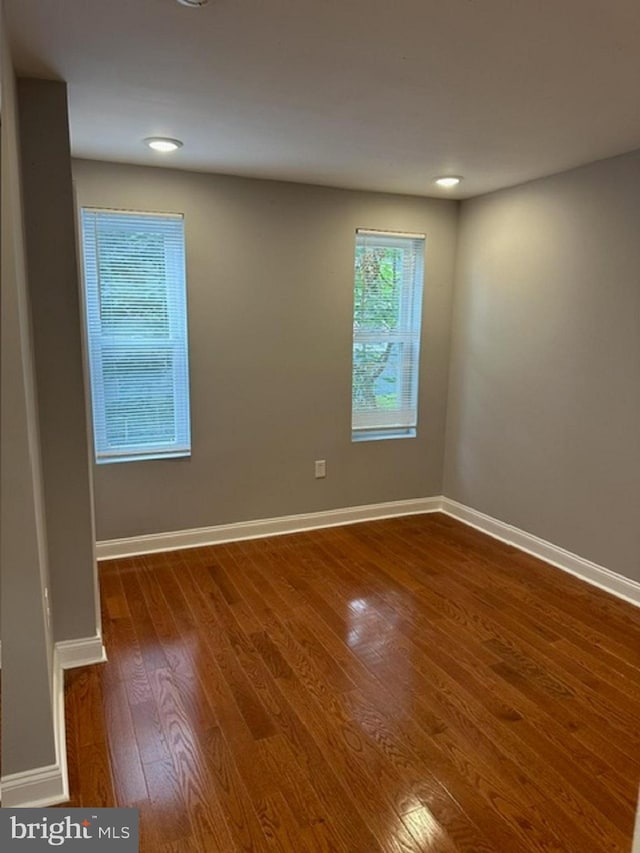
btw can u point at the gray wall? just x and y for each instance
(270, 284)
(27, 713)
(544, 396)
(55, 300)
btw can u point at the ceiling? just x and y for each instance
(380, 95)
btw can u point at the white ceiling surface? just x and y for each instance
(380, 95)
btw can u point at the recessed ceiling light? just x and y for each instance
(161, 143)
(193, 4)
(448, 181)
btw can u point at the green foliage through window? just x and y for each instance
(386, 332)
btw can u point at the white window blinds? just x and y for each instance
(134, 272)
(389, 270)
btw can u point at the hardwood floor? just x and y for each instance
(402, 685)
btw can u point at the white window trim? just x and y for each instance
(373, 426)
(97, 343)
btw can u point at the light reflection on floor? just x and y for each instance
(374, 640)
(367, 627)
(424, 828)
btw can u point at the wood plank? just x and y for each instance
(402, 685)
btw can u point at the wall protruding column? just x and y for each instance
(58, 345)
(28, 725)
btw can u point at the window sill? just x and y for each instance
(143, 457)
(381, 434)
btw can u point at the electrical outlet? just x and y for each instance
(321, 469)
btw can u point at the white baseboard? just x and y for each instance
(82, 652)
(592, 573)
(49, 786)
(43, 786)
(636, 832)
(130, 547)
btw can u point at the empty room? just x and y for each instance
(320, 425)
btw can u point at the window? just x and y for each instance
(137, 333)
(389, 270)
